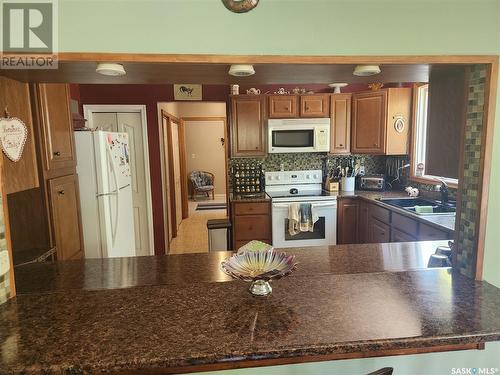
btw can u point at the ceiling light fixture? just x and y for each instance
(366, 70)
(110, 69)
(241, 70)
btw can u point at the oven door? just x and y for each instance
(292, 139)
(325, 229)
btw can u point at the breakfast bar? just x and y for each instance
(178, 313)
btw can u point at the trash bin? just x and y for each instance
(218, 234)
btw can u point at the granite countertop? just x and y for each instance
(220, 324)
(342, 301)
(262, 197)
(94, 274)
(442, 222)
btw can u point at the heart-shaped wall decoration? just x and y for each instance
(13, 135)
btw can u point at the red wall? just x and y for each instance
(150, 95)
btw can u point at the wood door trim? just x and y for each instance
(183, 169)
(272, 59)
(171, 176)
(8, 240)
(226, 150)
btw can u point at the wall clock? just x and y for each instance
(240, 6)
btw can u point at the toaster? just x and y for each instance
(372, 182)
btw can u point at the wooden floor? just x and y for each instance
(192, 235)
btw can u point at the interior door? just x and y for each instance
(131, 123)
(176, 162)
(106, 121)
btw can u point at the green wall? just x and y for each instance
(301, 27)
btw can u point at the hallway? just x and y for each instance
(192, 236)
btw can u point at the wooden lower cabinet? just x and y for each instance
(251, 221)
(428, 233)
(363, 220)
(379, 232)
(65, 210)
(347, 221)
(399, 236)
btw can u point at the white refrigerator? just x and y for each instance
(105, 194)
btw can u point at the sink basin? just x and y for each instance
(409, 204)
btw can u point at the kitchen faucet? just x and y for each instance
(443, 188)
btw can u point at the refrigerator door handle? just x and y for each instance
(116, 194)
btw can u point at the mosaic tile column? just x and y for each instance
(469, 205)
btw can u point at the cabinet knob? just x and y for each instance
(375, 144)
(61, 192)
(286, 108)
(307, 108)
(341, 145)
(57, 153)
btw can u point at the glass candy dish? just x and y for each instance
(259, 267)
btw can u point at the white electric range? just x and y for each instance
(286, 187)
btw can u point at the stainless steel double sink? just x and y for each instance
(410, 204)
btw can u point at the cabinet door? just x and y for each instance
(363, 219)
(428, 233)
(347, 221)
(283, 106)
(379, 232)
(56, 126)
(340, 114)
(247, 127)
(66, 223)
(23, 174)
(314, 106)
(369, 122)
(398, 236)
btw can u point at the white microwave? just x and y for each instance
(298, 135)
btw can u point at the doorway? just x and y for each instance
(131, 119)
(192, 139)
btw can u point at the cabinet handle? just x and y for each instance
(57, 153)
(61, 192)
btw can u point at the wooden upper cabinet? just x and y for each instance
(340, 114)
(381, 120)
(247, 126)
(23, 174)
(369, 118)
(283, 106)
(65, 210)
(54, 117)
(314, 106)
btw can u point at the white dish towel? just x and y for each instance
(301, 218)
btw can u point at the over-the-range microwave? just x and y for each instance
(298, 135)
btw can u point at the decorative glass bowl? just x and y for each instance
(259, 267)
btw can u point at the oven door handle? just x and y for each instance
(277, 205)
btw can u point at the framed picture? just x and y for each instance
(187, 92)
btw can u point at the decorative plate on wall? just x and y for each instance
(240, 6)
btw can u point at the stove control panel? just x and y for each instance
(294, 177)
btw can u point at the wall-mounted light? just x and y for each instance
(110, 69)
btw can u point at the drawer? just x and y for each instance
(252, 209)
(379, 232)
(244, 242)
(428, 233)
(251, 227)
(405, 224)
(399, 236)
(380, 213)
